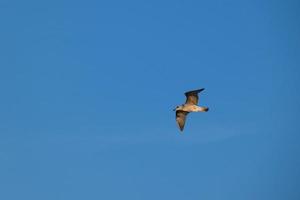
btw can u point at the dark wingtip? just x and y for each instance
(200, 90)
(206, 109)
(194, 91)
(181, 128)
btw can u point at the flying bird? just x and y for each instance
(190, 106)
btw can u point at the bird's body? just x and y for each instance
(190, 106)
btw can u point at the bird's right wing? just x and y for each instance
(192, 96)
(180, 118)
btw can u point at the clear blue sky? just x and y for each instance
(88, 87)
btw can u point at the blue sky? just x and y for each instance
(88, 88)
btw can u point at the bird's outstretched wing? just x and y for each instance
(180, 118)
(192, 96)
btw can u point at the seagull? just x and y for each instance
(190, 106)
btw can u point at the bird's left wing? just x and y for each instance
(180, 118)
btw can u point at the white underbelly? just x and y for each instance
(191, 108)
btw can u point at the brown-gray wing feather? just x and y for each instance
(180, 118)
(192, 96)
